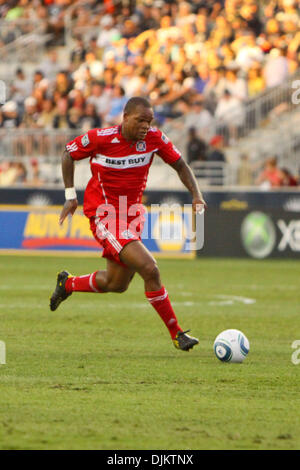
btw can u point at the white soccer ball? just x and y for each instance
(231, 346)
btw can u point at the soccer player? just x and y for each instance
(120, 158)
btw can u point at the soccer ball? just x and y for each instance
(231, 346)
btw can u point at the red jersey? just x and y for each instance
(273, 176)
(119, 167)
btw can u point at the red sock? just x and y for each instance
(85, 283)
(161, 302)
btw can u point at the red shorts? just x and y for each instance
(113, 237)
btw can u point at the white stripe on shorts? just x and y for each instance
(109, 236)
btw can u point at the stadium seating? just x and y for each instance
(175, 53)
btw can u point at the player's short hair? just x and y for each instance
(132, 103)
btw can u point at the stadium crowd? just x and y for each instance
(200, 60)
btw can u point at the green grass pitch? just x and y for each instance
(101, 372)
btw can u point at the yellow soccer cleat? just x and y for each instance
(184, 342)
(60, 293)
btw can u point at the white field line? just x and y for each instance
(231, 300)
(143, 305)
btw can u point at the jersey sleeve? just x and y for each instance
(166, 150)
(83, 146)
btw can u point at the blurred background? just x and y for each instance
(223, 77)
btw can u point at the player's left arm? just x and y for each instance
(171, 155)
(187, 177)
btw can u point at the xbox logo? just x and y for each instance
(258, 234)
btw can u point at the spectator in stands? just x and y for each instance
(276, 69)
(250, 14)
(4, 7)
(45, 119)
(10, 115)
(28, 145)
(78, 53)
(61, 116)
(247, 51)
(287, 178)
(63, 84)
(236, 84)
(89, 71)
(12, 173)
(133, 81)
(35, 179)
(76, 100)
(39, 94)
(100, 97)
(245, 171)
(51, 66)
(185, 14)
(93, 47)
(8, 173)
(147, 21)
(21, 87)
(129, 29)
(200, 119)
(256, 81)
(38, 77)
(56, 13)
(21, 173)
(93, 65)
(202, 77)
(196, 147)
(31, 115)
(89, 119)
(117, 104)
(167, 30)
(288, 12)
(271, 176)
(230, 113)
(216, 155)
(108, 33)
(83, 17)
(10, 33)
(214, 88)
(74, 118)
(202, 26)
(40, 15)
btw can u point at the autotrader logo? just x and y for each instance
(258, 234)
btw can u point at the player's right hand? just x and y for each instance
(199, 205)
(70, 207)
